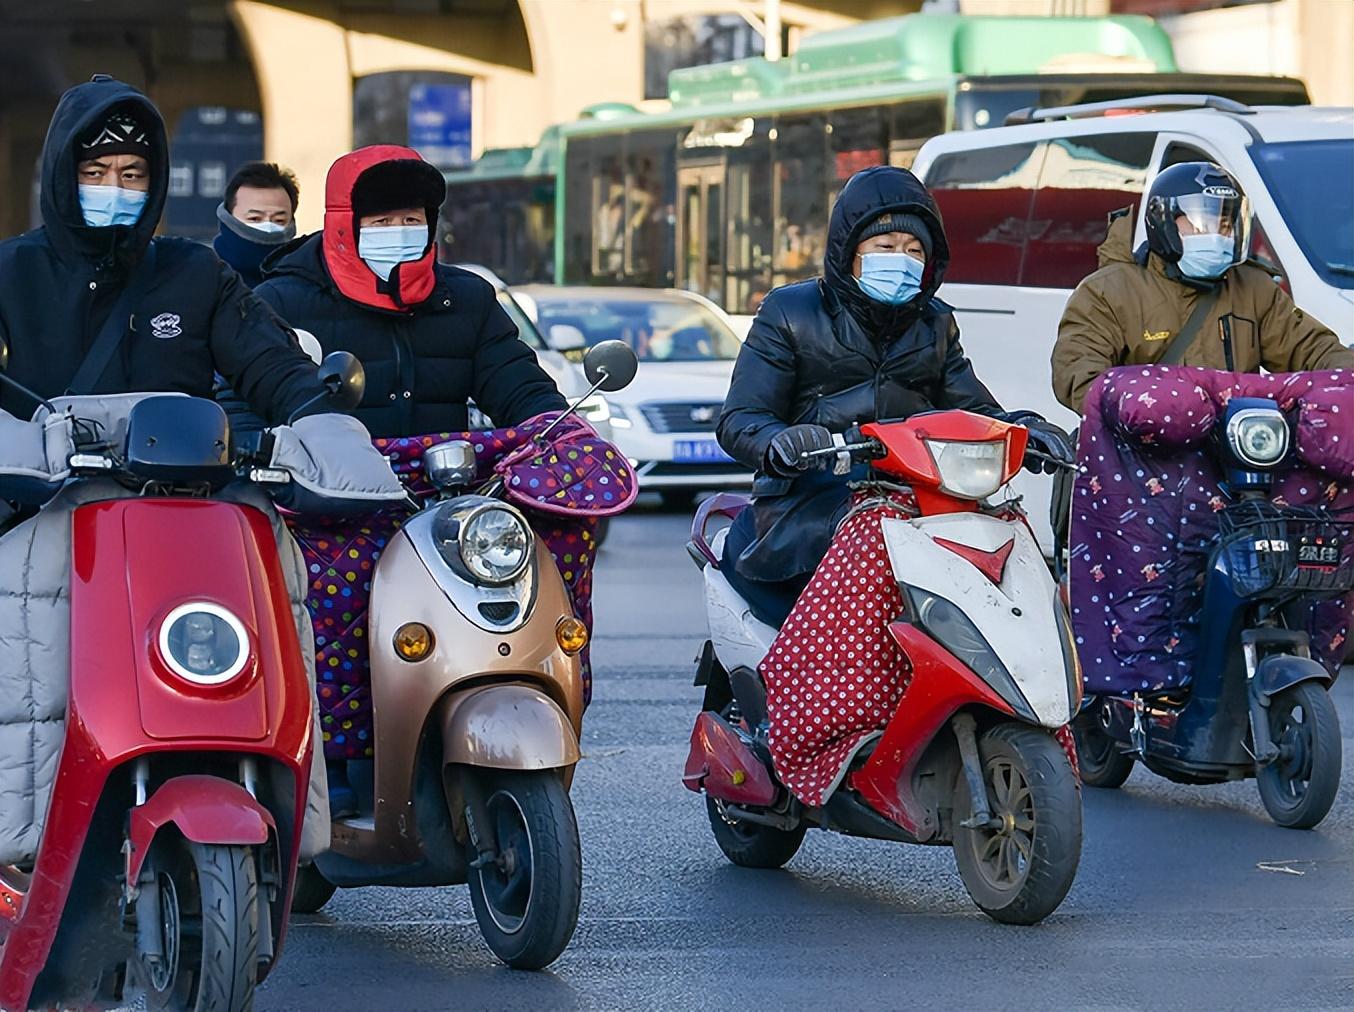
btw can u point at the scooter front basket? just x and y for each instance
(1277, 551)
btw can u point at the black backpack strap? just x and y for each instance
(114, 327)
(1175, 351)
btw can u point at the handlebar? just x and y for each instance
(868, 449)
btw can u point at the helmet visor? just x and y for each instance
(1216, 214)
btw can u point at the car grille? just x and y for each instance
(682, 417)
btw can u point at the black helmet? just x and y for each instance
(1205, 194)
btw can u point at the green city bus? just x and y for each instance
(727, 193)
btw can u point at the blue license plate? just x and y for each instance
(698, 451)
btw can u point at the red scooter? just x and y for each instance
(169, 848)
(970, 757)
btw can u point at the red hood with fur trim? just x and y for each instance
(410, 283)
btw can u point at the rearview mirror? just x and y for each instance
(567, 337)
(4, 355)
(345, 379)
(610, 365)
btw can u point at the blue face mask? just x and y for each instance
(892, 278)
(1207, 256)
(111, 205)
(384, 246)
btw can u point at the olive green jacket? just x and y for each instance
(1126, 314)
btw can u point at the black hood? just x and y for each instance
(866, 195)
(80, 109)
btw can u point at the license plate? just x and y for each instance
(699, 451)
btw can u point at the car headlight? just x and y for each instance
(492, 544)
(951, 628)
(1258, 436)
(203, 643)
(595, 408)
(969, 470)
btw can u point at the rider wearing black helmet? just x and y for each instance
(1132, 310)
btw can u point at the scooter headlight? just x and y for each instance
(203, 643)
(495, 544)
(951, 628)
(1258, 436)
(969, 470)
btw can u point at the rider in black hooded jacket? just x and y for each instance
(833, 352)
(193, 316)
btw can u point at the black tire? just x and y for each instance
(1299, 787)
(1019, 874)
(210, 894)
(312, 890)
(527, 906)
(750, 845)
(1099, 757)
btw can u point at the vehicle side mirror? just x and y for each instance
(611, 365)
(567, 337)
(343, 376)
(4, 355)
(450, 464)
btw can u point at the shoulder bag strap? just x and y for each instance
(114, 327)
(1175, 351)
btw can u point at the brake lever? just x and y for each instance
(1057, 462)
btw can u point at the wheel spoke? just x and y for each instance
(990, 847)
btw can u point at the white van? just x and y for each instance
(1025, 207)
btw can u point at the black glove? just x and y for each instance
(1048, 439)
(782, 456)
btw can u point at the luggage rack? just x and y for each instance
(1291, 549)
(1144, 103)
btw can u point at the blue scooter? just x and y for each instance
(1257, 704)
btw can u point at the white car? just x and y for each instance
(665, 420)
(566, 375)
(1025, 207)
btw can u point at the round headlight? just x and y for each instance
(1258, 437)
(495, 545)
(203, 643)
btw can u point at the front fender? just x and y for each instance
(1282, 671)
(204, 809)
(507, 727)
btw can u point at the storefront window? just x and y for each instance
(428, 111)
(800, 178)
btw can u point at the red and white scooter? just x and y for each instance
(970, 756)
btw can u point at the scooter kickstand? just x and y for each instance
(964, 724)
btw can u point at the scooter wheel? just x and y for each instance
(1102, 763)
(526, 903)
(750, 845)
(208, 915)
(1299, 787)
(1019, 867)
(312, 890)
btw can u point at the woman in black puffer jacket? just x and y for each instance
(864, 342)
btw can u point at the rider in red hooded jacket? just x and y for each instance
(430, 336)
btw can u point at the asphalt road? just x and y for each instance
(1186, 898)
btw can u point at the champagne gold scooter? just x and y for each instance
(477, 701)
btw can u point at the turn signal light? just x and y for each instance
(413, 641)
(571, 634)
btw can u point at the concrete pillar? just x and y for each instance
(305, 91)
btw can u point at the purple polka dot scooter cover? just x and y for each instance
(1146, 504)
(565, 489)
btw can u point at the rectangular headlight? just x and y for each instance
(969, 470)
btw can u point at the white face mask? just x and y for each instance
(384, 246)
(267, 227)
